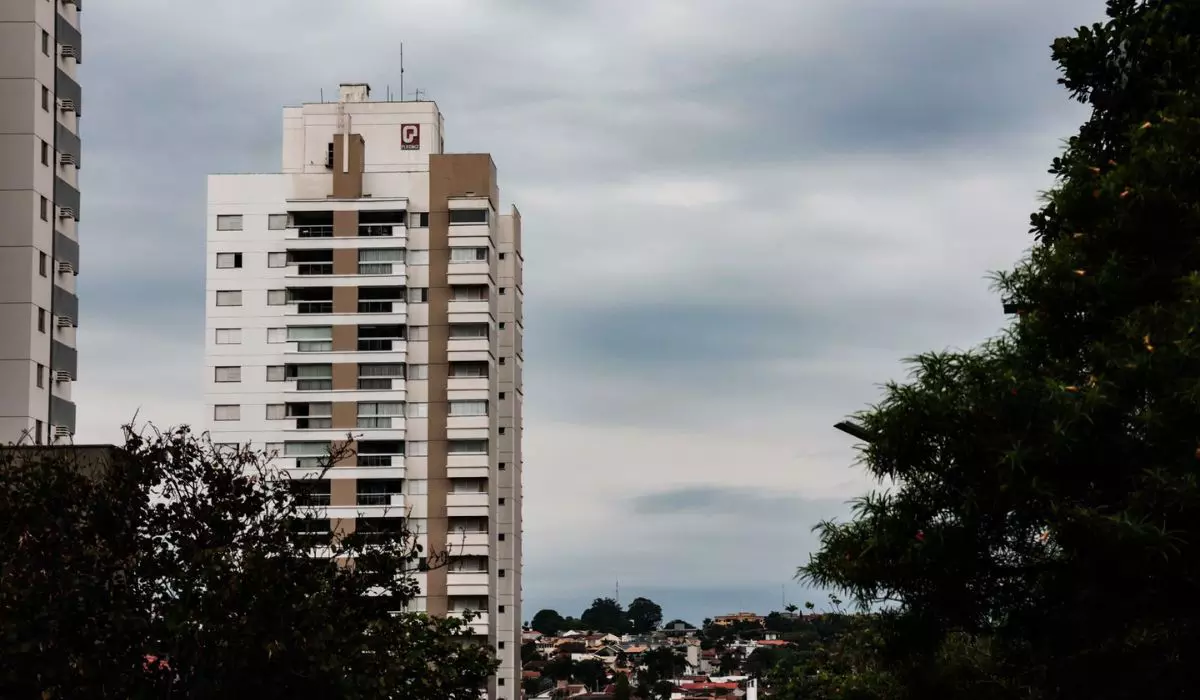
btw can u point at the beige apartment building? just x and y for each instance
(40, 103)
(373, 288)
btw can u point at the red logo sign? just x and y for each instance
(410, 137)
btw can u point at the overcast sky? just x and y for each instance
(738, 218)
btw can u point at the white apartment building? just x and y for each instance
(373, 288)
(40, 104)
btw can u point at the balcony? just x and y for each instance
(469, 345)
(380, 461)
(322, 231)
(375, 230)
(314, 269)
(378, 307)
(467, 383)
(478, 624)
(382, 500)
(466, 500)
(464, 461)
(377, 344)
(457, 539)
(467, 583)
(314, 384)
(314, 307)
(468, 423)
(473, 306)
(387, 268)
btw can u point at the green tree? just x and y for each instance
(1042, 525)
(591, 673)
(178, 570)
(621, 688)
(548, 622)
(605, 615)
(645, 615)
(529, 652)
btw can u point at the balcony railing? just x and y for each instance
(314, 269)
(375, 268)
(314, 346)
(314, 385)
(375, 307)
(375, 344)
(325, 231)
(314, 307)
(374, 499)
(374, 384)
(374, 460)
(314, 423)
(375, 422)
(374, 230)
(312, 499)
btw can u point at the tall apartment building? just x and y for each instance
(373, 288)
(40, 49)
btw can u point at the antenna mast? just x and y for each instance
(402, 71)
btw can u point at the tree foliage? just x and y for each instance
(644, 615)
(1041, 534)
(548, 622)
(179, 571)
(605, 615)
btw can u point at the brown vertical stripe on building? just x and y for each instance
(345, 339)
(348, 185)
(345, 224)
(345, 300)
(343, 492)
(347, 449)
(345, 261)
(342, 526)
(345, 375)
(345, 415)
(449, 176)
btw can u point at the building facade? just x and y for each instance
(40, 104)
(372, 290)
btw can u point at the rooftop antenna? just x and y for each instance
(322, 95)
(417, 94)
(402, 71)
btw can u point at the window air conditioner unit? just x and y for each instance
(66, 213)
(62, 376)
(66, 105)
(65, 267)
(66, 159)
(68, 51)
(64, 322)
(62, 431)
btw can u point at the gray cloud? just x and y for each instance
(738, 217)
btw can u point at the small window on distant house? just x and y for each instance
(229, 222)
(277, 222)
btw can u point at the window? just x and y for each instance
(503, 290)
(502, 431)
(228, 374)
(468, 292)
(501, 360)
(310, 416)
(418, 295)
(418, 219)
(229, 336)
(45, 153)
(276, 335)
(501, 501)
(277, 260)
(41, 320)
(500, 573)
(42, 260)
(277, 297)
(417, 372)
(417, 257)
(418, 332)
(378, 376)
(500, 609)
(46, 98)
(311, 338)
(229, 298)
(416, 410)
(277, 222)
(228, 260)
(468, 255)
(503, 466)
(45, 209)
(502, 396)
(501, 255)
(466, 446)
(41, 376)
(379, 261)
(311, 377)
(468, 408)
(500, 537)
(45, 42)
(416, 448)
(379, 414)
(468, 331)
(276, 373)
(469, 370)
(468, 216)
(501, 643)
(308, 454)
(229, 222)
(227, 412)
(502, 325)
(276, 411)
